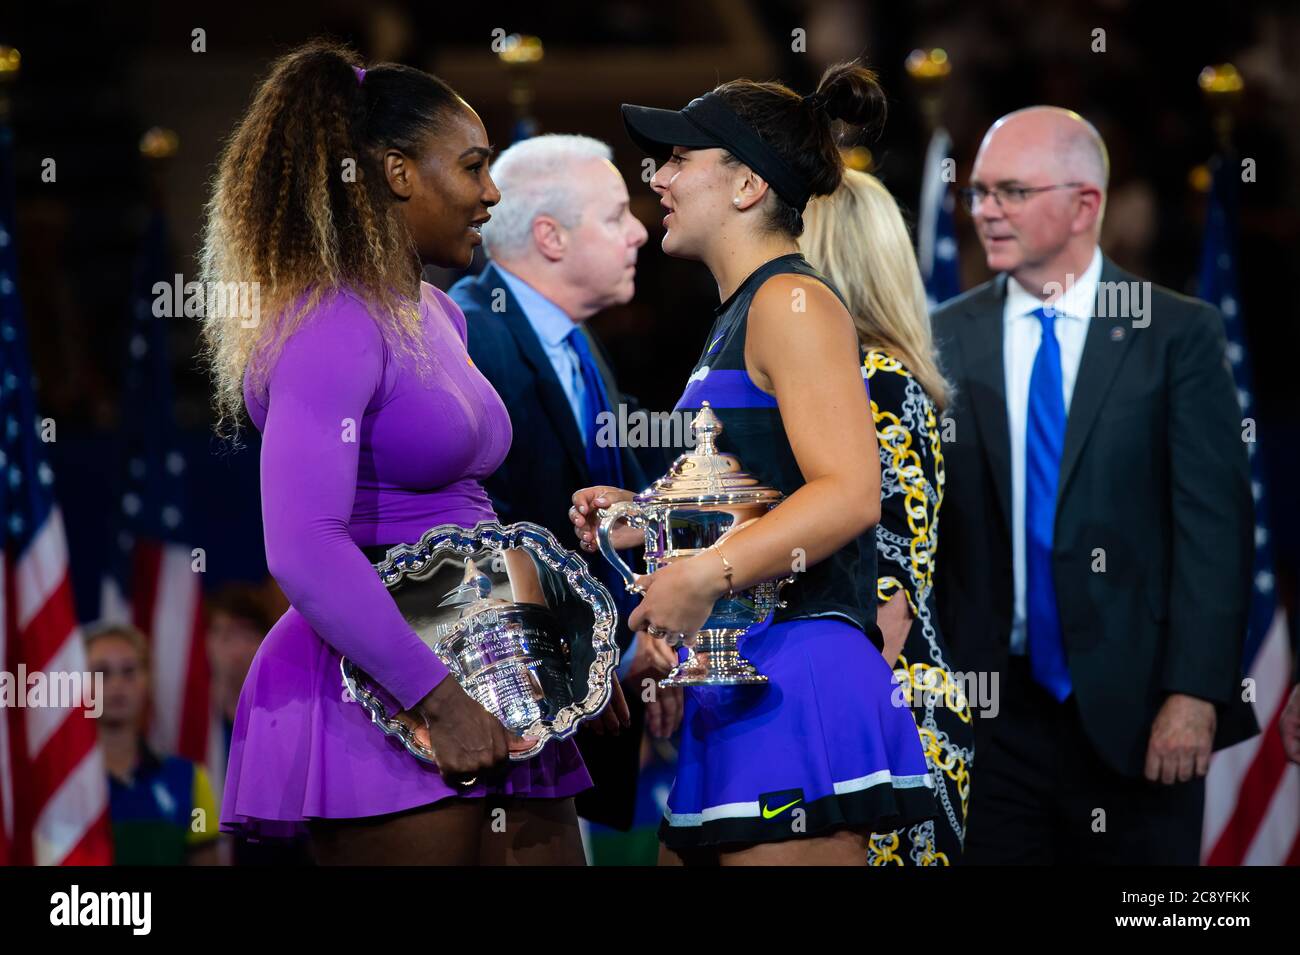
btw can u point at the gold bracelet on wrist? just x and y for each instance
(727, 571)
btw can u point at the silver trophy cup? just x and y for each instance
(704, 497)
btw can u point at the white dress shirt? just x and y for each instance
(1021, 334)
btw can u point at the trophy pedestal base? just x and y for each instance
(715, 660)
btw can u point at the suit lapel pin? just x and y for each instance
(1117, 333)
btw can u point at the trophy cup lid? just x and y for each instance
(707, 475)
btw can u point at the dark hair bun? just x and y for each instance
(850, 92)
(802, 131)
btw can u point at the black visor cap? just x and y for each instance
(657, 131)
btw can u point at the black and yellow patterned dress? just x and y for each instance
(911, 492)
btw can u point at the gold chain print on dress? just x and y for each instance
(909, 444)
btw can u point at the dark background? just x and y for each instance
(95, 77)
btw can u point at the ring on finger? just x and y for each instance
(656, 631)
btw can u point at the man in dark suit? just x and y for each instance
(1097, 531)
(563, 245)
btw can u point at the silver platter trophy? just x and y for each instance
(704, 497)
(519, 621)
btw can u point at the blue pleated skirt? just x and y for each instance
(827, 744)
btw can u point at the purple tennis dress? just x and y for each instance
(359, 451)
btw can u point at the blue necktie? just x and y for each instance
(604, 464)
(1044, 442)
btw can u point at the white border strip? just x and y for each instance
(753, 810)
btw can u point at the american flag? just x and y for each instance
(1252, 797)
(156, 577)
(936, 235)
(53, 783)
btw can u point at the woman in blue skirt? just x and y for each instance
(800, 770)
(858, 239)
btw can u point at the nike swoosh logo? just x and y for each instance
(715, 343)
(773, 813)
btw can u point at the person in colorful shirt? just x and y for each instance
(161, 807)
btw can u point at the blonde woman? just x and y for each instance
(856, 237)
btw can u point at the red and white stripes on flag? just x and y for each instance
(166, 604)
(53, 784)
(1252, 794)
(1252, 798)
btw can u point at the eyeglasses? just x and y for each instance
(1007, 197)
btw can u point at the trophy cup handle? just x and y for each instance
(609, 516)
(779, 584)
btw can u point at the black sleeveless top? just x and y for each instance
(844, 584)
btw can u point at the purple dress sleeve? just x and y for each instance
(327, 376)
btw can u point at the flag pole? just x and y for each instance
(520, 55)
(1221, 86)
(10, 62)
(928, 70)
(936, 235)
(157, 147)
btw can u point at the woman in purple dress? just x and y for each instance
(334, 189)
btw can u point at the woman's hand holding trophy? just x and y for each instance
(654, 657)
(586, 503)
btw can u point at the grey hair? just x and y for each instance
(535, 178)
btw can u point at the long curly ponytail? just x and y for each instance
(300, 207)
